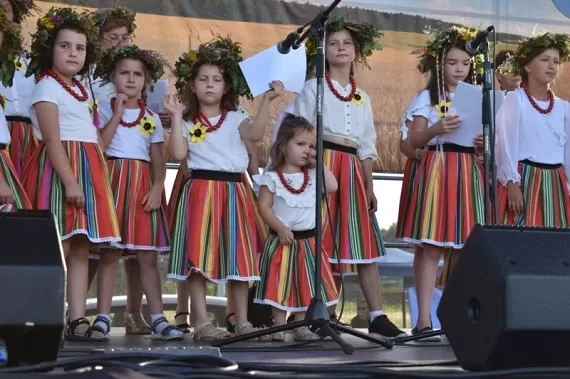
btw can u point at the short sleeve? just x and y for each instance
(264, 179)
(158, 135)
(367, 147)
(242, 115)
(408, 116)
(46, 90)
(306, 103)
(422, 107)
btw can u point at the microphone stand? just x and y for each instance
(317, 315)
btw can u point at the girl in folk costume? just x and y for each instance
(214, 226)
(447, 197)
(133, 139)
(533, 156)
(16, 89)
(350, 139)
(68, 172)
(117, 26)
(287, 204)
(12, 195)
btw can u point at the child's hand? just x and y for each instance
(165, 118)
(74, 195)
(120, 102)
(173, 106)
(275, 91)
(152, 200)
(6, 195)
(286, 236)
(312, 158)
(478, 141)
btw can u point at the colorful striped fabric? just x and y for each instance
(262, 229)
(22, 146)
(8, 172)
(97, 219)
(545, 198)
(131, 181)
(288, 279)
(405, 196)
(181, 176)
(214, 232)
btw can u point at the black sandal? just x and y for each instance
(231, 328)
(97, 328)
(185, 327)
(70, 335)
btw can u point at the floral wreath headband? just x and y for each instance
(364, 34)
(11, 49)
(22, 9)
(106, 15)
(47, 27)
(222, 52)
(514, 64)
(153, 62)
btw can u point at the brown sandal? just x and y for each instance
(208, 332)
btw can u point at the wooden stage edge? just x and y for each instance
(437, 354)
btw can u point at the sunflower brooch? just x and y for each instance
(198, 133)
(147, 126)
(358, 99)
(93, 105)
(442, 108)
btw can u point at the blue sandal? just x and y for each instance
(166, 333)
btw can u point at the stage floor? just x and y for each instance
(429, 355)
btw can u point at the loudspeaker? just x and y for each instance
(32, 286)
(506, 303)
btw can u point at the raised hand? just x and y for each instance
(173, 106)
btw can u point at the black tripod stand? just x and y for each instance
(317, 316)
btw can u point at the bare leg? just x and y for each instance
(134, 286)
(369, 279)
(93, 267)
(183, 304)
(426, 261)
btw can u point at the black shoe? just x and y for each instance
(383, 326)
(427, 329)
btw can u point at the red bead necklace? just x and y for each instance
(535, 105)
(204, 121)
(289, 187)
(336, 93)
(142, 107)
(82, 98)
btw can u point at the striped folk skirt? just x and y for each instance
(214, 229)
(131, 181)
(181, 177)
(349, 226)
(447, 198)
(97, 219)
(288, 274)
(261, 228)
(405, 196)
(545, 197)
(8, 172)
(23, 143)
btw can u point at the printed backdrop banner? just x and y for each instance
(172, 26)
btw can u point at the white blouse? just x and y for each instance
(5, 138)
(221, 150)
(408, 116)
(19, 96)
(422, 108)
(296, 211)
(525, 133)
(352, 120)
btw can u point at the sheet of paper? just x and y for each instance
(262, 68)
(157, 95)
(467, 102)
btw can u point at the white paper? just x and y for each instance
(155, 98)
(269, 65)
(467, 102)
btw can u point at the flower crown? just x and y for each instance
(514, 64)
(153, 62)
(104, 16)
(443, 39)
(364, 34)
(11, 49)
(47, 28)
(222, 52)
(22, 9)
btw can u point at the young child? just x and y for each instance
(287, 204)
(16, 89)
(133, 138)
(448, 185)
(12, 195)
(352, 235)
(507, 82)
(68, 173)
(532, 147)
(214, 227)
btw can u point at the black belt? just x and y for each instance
(221, 176)
(3, 146)
(451, 147)
(131, 159)
(339, 147)
(300, 234)
(547, 166)
(19, 118)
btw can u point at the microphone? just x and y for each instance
(284, 47)
(473, 46)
